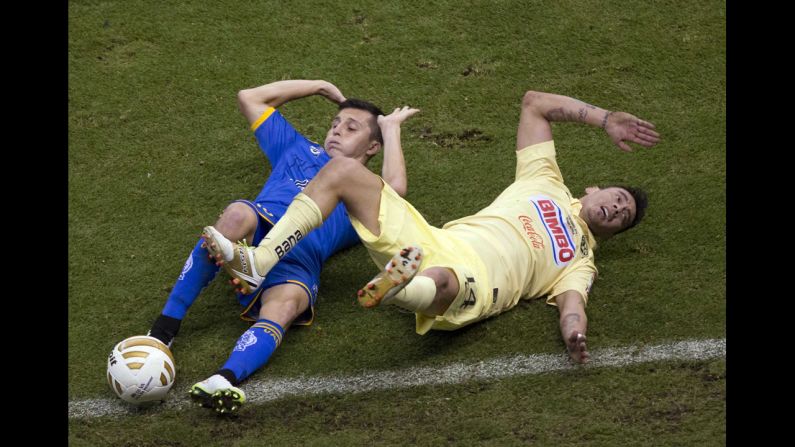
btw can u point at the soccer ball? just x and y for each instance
(141, 369)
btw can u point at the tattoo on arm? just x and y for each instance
(604, 120)
(584, 111)
(561, 114)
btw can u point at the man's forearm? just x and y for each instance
(277, 93)
(563, 108)
(571, 322)
(572, 313)
(394, 166)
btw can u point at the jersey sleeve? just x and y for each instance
(538, 161)
(580, 278)
(274, 134)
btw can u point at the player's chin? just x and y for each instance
(334, 152)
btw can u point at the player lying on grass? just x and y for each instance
(534, 240)
(288, 296)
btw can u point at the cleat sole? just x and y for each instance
(396, 274)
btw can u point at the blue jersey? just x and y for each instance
(295, 161)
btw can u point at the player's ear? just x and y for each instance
(591, 189)
(374, 147)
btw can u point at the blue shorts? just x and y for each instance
(289, 270)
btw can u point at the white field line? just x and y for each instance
(266, 390)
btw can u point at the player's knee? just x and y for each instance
(340, 169)
(447, 286)
(444, 279)
(284, 309)
(237, 218)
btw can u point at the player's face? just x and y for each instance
(608, 211)
(349, 135)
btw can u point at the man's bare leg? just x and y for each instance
(401, 283)
(341, 180)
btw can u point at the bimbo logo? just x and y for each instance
(563, 248)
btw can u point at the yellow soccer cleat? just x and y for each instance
(398, 272)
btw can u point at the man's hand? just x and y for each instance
(396, 117)
(622, 126)
(576, 347)
(331, 92)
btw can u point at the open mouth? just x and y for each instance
(604, 212)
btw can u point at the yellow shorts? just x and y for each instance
(401, 225)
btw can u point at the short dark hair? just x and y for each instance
(353, 103)
(641, 202)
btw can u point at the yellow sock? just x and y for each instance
(417, 296)
(301, 217)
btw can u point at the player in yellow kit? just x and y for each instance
(535, 239)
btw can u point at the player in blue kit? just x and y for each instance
(289, 293)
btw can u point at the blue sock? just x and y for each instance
(254, 348)
(198, 271)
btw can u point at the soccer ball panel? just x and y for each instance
(141, 369)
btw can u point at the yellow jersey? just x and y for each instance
(531, 238)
